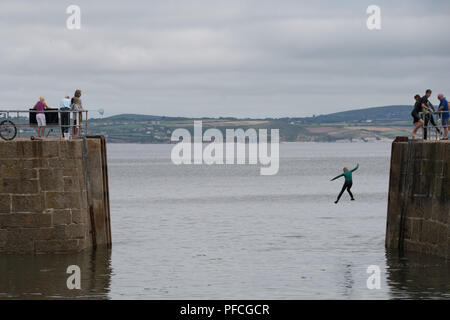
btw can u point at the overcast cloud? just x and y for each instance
(223, 58)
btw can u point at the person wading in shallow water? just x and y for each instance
(348, 182)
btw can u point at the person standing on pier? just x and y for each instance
(77, 107)
(443, 107)
(348, 182)
(65, 106)
(428, 110)
(418, 122)
(40, 106)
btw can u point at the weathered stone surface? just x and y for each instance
(50, 149)
(29, 234)
(71, 149)
(5, 203)
(31, 149)
(419, 199)
(21, 247)
(76, 216)
(71, 184)
(59, 232)
(84, 202)
(11, 163)
(76, 231)
(18, 186)
(3, 235)
(57, 245)
(51, 179)
(25, 220)
(44, 195)
(80, 216)
(63, 200)
(35, 163)
(9, 150)
(64, 163)
(26, 203)
(62, 217)
(11, 173)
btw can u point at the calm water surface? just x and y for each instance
(225, 232)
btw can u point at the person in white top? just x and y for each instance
(65, 105)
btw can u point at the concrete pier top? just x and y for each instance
(418, 216)
(53, 195)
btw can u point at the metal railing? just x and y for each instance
(22, 123)
(431, 122)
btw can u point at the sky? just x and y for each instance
(212, 58)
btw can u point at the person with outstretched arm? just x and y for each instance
(348, 182)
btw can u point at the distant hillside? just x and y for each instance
(370, 124)
(387, 113)
(141, 117)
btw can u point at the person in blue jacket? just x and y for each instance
(348, 182)
(443, 108)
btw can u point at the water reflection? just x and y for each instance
(44, 276)
(416, 276)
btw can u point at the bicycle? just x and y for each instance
(8, 130)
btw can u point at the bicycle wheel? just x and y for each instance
(8, 130)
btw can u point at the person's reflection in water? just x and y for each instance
(45, 277)
(416, 276)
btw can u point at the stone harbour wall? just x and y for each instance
(419, 198)
(45, 201)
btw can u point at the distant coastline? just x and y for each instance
(365, 125)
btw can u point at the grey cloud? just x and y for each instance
(213, 58)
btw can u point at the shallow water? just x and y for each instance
(225, 232)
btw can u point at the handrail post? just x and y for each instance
(86, 123)
(440, 125)
(80, 119)
(59, 123)
(18, 130)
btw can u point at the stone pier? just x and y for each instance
(53, 195)
(419, 197)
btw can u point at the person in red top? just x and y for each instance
(40, 106)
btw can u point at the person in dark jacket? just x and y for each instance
(418, 121)
(428, 110)
(65, 106)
